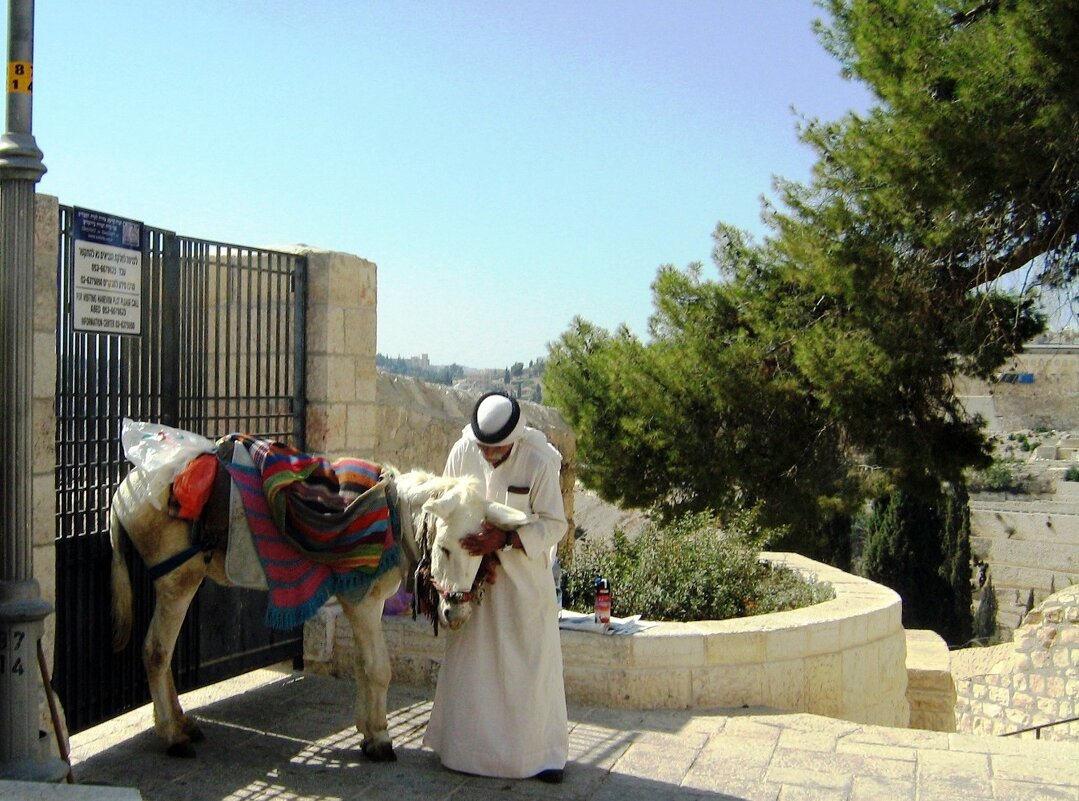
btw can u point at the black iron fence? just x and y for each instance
(221, 349)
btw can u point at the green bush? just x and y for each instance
(1000, 476)
(687, 570)
(1072, 473)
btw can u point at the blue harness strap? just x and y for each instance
(173, 562)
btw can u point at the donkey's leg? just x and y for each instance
(174, 592)
(372, 668)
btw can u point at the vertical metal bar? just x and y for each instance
(194, 348)
(261, 343)
(247, 308)
(170, 330)
(224, 386)
(281, 292)
(299, 329)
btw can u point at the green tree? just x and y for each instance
(956, 563)
(985, 619)
(698, 418)
(922, 551)
(819, 369)
(971, 151)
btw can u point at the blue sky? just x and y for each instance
(507, 165)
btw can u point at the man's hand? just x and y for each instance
(488, 540)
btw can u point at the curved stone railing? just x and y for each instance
(844, 658)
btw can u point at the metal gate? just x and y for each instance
(221, 349)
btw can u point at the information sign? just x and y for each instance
(107, 272)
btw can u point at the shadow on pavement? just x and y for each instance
(293, 738)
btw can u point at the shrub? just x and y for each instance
(1000, 476)
(688, 569)
(1072, 473)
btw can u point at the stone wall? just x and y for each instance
(1030, 681)
(1048, 402)
(930, 686)
(341, 339)
(1031, 546)
(844, 658)
(416, 424)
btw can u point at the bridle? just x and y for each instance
(427, 530)
(416, 547)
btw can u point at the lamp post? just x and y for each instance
(22, 610)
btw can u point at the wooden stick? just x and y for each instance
(61, 733)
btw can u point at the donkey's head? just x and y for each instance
(457, 512)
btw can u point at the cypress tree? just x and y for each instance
(956, 568)
(985, 619)
(921, 550)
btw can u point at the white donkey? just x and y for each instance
(434, 513)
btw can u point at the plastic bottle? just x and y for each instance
(602, 602)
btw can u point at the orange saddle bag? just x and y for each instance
(192, 486)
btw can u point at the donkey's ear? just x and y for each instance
(506, 517)
(441, 505)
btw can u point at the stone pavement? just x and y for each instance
(281, 735)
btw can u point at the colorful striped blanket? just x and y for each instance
(320, 528)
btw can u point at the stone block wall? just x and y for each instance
(416, 424)
(341, 340)
(1030, 681)
(845, 658)
(930, 686)
(1030, 546)
(1047, 402)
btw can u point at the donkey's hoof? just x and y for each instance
(193, 732)
(378, 751)
(182, 749)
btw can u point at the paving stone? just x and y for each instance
(280, 736)
(882, 788)
(1022, 791)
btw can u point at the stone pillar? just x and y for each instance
(930, 686)
(22, 609)
(341, 344)
(43, 409)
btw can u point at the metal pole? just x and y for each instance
(22, 610)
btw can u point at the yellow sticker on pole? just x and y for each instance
(20, 77)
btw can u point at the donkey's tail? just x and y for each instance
(121, 585)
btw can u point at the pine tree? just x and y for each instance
(819, 371)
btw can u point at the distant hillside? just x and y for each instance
(519, 380)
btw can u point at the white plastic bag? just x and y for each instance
(159, 452)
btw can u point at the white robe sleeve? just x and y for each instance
(541, 536)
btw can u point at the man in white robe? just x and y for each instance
(500, 702)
